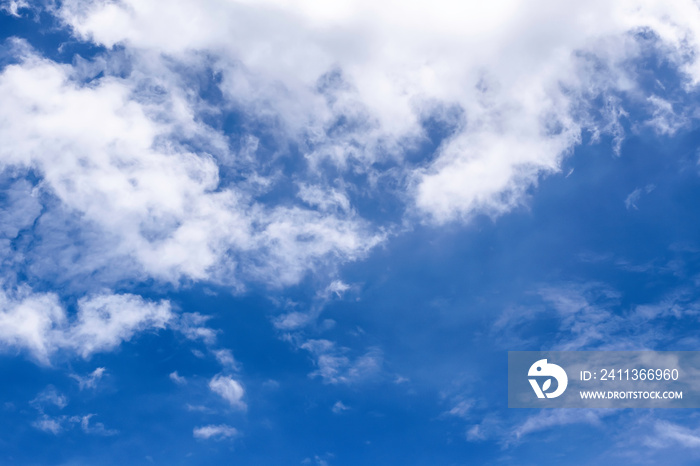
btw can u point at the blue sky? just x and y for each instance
(308, 233)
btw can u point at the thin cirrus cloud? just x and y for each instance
(334, 366)
(546, 420)
(668, 434)
(90, 380)
(588, 316)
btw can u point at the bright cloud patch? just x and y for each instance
(115, 157)
(134, 184)
(357, 81)
(294, 190)
(228, 389)
(39, 323)
(214, 431)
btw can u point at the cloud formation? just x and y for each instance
(356, 82)
(39, 324)
(219, 432)
(115, 157)
(119, 169)
(229, 389)
(90, 380)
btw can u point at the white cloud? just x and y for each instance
(475, 434)
(104, 321)
(48, 424)
(192, 326)
(294, 320)
(668, 434)
(334, 366)
(461, 409)
(178, 379)
(664, 119)
(633, 198)
(130, 175)
(13, 7)
(89, 381)
(96, 428)
(325, 200)
(547, 419)
(336, 288)
(198, 408)
(58, 424)
(226, 359)
(49, 397)
(30, 321)
(221, 431)
(339, 407)
(228, 389)
(118, 160)
(678, 304)
(19, 209)
(38, 323)
(587, 315)
(319, 460)
(521, 75)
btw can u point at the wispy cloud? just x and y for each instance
(548, 419)
(48, 424)
(90, 380)
(49, 397)
(334, 366)
(461, 409)
(176, 378)
(590, 315)
(13, 7)
(633, 198)
(665, 120)
(339, 407)
(668, 435)
(96, 428)
(226, 359)
(192, 325)
(217, 432)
